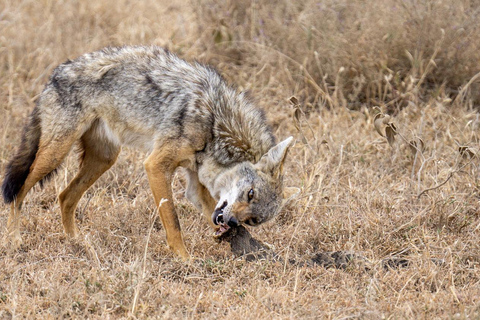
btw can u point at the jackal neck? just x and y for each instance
(240, 130)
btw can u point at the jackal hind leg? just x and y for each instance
(160, 166)
(49, 156)
(98, 156)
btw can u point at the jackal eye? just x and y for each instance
(250, 194)
(252, 221)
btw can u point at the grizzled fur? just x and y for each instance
(181, 114)
(161, 93)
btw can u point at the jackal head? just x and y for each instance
(251, 193)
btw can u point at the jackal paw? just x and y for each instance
(180, 252)
(72, 233)
(12, 240)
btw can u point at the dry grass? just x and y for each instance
(358, 192)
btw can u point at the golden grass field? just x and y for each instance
(347, 63)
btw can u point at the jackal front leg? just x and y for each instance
(200, 197)
(160, 167)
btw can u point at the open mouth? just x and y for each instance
(223, 226)
(222, 230)
(220, 221)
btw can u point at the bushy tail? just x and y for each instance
(19, 167)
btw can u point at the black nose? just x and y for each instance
(233, 222)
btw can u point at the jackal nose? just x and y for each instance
(232, 222)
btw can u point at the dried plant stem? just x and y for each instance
(450, 175)
(153, 218)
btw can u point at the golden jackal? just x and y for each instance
(182, 114)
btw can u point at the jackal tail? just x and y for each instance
(18, 168)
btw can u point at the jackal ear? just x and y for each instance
(272, 161)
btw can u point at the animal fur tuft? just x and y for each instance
(19, 167)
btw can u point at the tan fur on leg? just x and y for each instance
(160, 166)
(98, 157)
